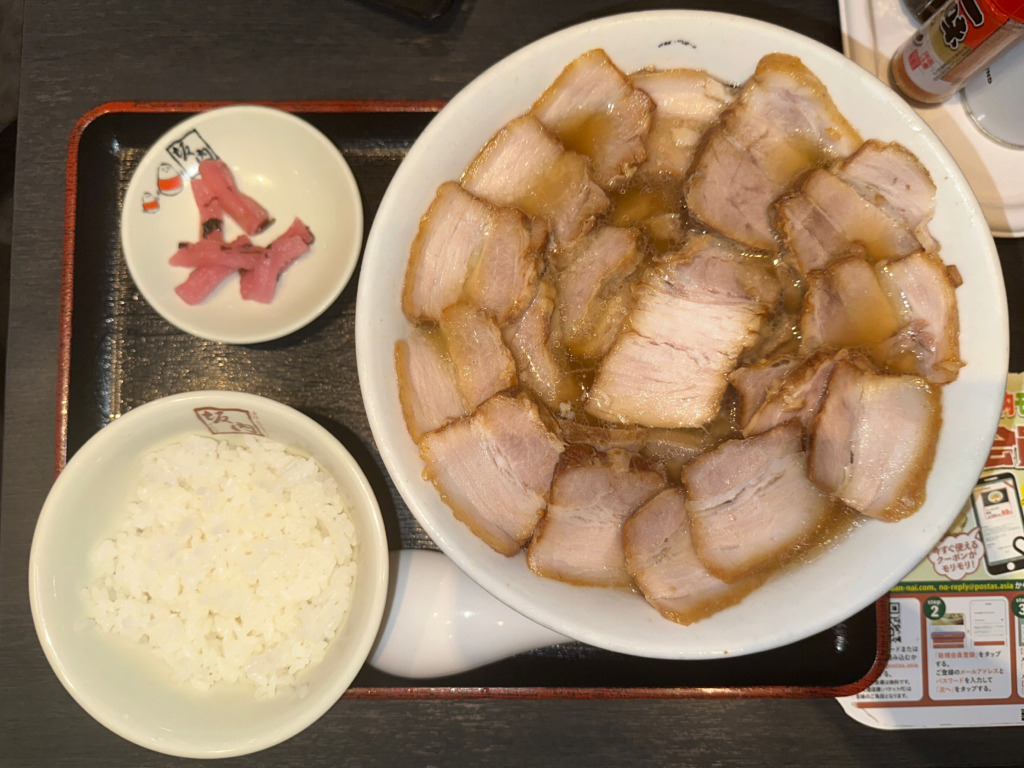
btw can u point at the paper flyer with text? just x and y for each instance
(957, 619)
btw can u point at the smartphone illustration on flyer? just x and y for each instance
(997, 507)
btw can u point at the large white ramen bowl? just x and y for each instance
(122, 685)
(799, 601)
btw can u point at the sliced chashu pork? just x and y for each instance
(594, 110)
(594, 290)
(688, 102)
(846, 306)
(693, 314)
(873, 440)
(782, 124)
(579, 539)
(427, 388)
(902, 311)
(662, 558)
(796, 396)
(494, 468)
(923, 291)
(751, 503)
(826, 219)
(445, 371)
(757, 383)
(525, 166)
(536, 344)
(891, 177)
(483, 364)
(468, 249)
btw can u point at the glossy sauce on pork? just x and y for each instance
(698, 331)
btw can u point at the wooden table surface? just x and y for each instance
(81, 54)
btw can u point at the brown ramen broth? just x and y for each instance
(672, 335)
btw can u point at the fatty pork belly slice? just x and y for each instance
(493, 468)
(873, 441)
(693, 315)
(902, 311)
(536, 345)
(827, 218)
(782, 124)
(525, 166)
(662, 558)
(755, 384)
(688, 102)
(483, 364)
(593, 109)
(595, 289)
(846, 306)
(923, 291)
(797, 396)
(891, 177)
(579, 539)
(468, 249)
(427, 388)
(751, 504)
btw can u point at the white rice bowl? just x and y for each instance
(233, 563)
(161, 678)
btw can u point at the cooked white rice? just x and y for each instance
(234, 563)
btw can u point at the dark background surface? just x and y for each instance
(77, 55)
(10, 78)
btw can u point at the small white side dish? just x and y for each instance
(799, 601)
(286, 165)
(123, 686)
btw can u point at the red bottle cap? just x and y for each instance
(1012, 8)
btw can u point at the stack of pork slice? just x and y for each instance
(668, 333)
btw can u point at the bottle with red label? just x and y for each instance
(957, 41)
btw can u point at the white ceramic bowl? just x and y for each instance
(801, 601)
(122, 686)
(291, 169)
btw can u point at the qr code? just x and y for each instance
(895, 625)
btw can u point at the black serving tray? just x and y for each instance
(118, 353)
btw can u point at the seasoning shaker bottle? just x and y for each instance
(955, 42)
